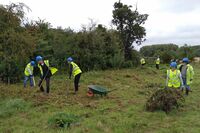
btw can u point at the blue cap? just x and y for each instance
(32, 63)
(186, 60)
(69, 59)
(173, 64)
(38, 58)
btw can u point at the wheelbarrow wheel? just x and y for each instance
(90, 93)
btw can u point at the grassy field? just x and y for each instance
(122, 111)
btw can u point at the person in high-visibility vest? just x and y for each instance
(174, 79)
(28, 72)
(187, 73)
(142, 61)
(75, 71)
(157, 62)
(46, 73)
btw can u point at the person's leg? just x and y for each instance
(184, 83)
(187, 89)
(31, 81)
(40, 85)
(76, 81)
(75, 84)
(25, 80)
(47, 85)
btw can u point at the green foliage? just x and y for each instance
(166, 100)
(117, 61)
(96, 48)
(170, 51)
(195, 50)
(128, 24)
(62, 120)
(187, 51)
(156, 50)
(16, 44)
(13, 106)
(167, 56)
(127, 64)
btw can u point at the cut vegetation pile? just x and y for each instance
(166, 100)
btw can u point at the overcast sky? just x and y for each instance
(169, 21)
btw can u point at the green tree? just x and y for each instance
(16, 44)
(158, 49)
(129, 24)
(186, 51)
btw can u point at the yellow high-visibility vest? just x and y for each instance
(158, 61)
(52, 69)
(189, 74)
(174, 78)
(28, 70)
(142, 61)
(75, 70)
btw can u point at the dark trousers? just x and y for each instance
(76, 81)
(157, 66)
(47, 85)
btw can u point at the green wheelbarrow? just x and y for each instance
(96, 89)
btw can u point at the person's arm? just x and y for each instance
(70, 70)
(191, 72)
(167, 78)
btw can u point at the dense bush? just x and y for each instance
(16, 44)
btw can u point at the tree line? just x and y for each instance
(93, 47)
(170, 51)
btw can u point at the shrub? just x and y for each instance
(166, 100)
(62, 120)
(127, 64)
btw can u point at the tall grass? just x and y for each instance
(12, 106)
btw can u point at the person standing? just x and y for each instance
(28, 72)
(45, 73)
(142, 61)
(187, 73)
(157, 63)
(75, 71)
(174, 79)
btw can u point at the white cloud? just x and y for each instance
(166, 17)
